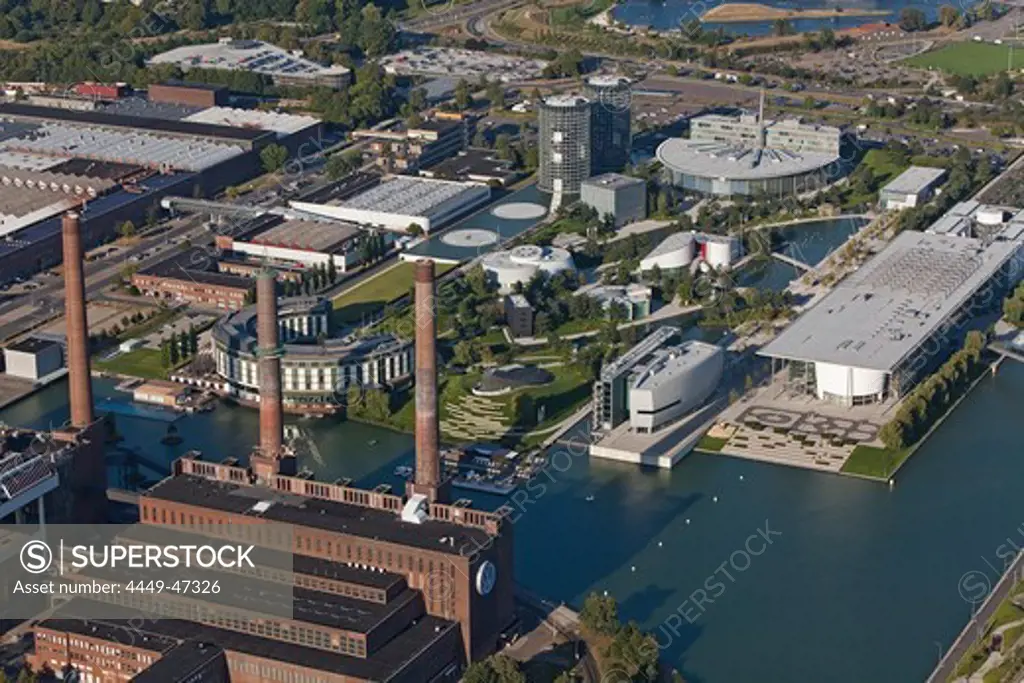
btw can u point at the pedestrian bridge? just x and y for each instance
(796, 263)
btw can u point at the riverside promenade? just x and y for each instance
(975, 628)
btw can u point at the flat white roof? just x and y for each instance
(246, 55)
(408, 196)
(670, 361)
(914, 180)
(281, 124)
(876, 317)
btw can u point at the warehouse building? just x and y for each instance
(33, 358)
(415, 148)
(190, 94)
(283, 67)
(621, 196)
(913, 187)
(895, 320)
(399, 202)
(302, 244)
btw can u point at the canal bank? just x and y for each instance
(859, 586)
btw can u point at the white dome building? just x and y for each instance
(522, 263)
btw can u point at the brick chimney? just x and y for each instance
(428, 461)
(79, 379)
(270, 458)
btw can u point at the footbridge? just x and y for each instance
(796, 263)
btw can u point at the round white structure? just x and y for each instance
(848, 385)
(519, 211)
(719, 252)
(522, 263)
(470, 237)
(674, 252)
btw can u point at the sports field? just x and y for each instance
(970, 58)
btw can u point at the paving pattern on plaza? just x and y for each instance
(800, 439)
(475, 419)
(470, 237)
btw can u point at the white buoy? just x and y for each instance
(714, 499)
(633, 568)
(606, 593)
(659, 544)
(892, 483)
(741, 477)
(687, 520)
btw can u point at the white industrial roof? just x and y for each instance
(735, 162)
(408, 196)
(876, 317)
(915, 179)
(246, 55)
(121, 146)
(28, 162)
(281, 124)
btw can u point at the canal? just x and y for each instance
(743, 571)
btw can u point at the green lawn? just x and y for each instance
(976, 655)
(145, 363)
(874, 462)
(710, 443)
(372, 295)
(969, 58)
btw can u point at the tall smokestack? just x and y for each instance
(268, 353)
(428, 461)
(79, 380)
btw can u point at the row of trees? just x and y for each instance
(932, 397)
(1013, 307)
(179, 347)
(313, 280)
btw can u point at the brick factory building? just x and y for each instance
(403, 588)
(200, 288)
(193, 94)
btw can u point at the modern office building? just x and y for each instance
(633, 301)
(564, 141)
(611, 390)
(896, 319)
(610, 122)
(283, 67)
(622, 196)
(518, 315)
(401, 201)
(745, 155)
(674, 381)
(317, 367)
(520, 264)
(911, 188)
(417, 147)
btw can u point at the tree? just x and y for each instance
(502, 146)
(126, 229)
(376, 32)
(781, 27)
(193, 340)
(332, 271)
(273, 158)
(496, 95)
(913, 19)
(414, 230)
(600, 614)
(949, 15)
(463, 98)
(165, 354)
(495, 669)
(174, 356)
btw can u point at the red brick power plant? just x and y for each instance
(79, 380)
(428, 461)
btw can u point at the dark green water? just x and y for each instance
(858, 587)
(858, 584)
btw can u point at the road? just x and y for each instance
(47, 300)
(975, 628)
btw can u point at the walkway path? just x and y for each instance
(995, 659)
(975, 628)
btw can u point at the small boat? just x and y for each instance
(372, 442)
(590, 499)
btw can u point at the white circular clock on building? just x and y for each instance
(486, 576)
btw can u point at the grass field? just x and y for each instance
(969, 59)
(878, 463)
(143, 363)
(371, 295)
